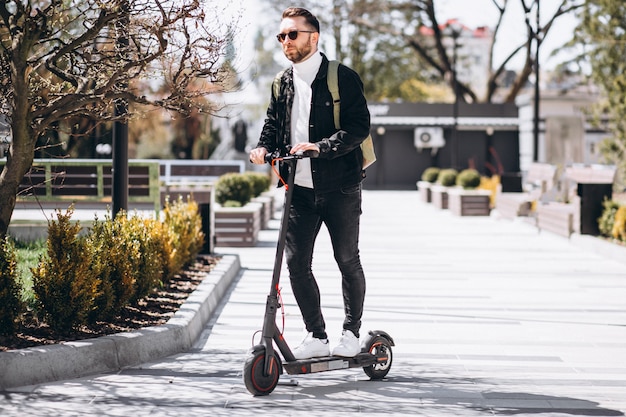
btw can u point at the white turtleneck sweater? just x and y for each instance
(303, 75)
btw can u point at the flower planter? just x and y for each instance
(238, 226)
(439, 196)
(424, 189)
(469, 202)
(560, 218)
(267, 209)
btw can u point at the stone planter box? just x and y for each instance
(469, 202)
(238, 226)
(424, 189)
(267, 209)
(559, 218)
(439, 196)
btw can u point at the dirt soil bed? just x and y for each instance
(154, 310)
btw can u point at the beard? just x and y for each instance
(296, 54)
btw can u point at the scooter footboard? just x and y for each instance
(329, 363)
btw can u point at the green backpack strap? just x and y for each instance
(367, 147)
(333, 86)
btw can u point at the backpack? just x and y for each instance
(367, 146)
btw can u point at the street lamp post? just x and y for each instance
(537, 93)
(119, 193)
(454, 30)
(455, 130)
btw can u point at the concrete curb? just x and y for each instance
(111, 353)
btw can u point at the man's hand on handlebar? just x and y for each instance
(257, 155)
(300, 148)
(261, 156)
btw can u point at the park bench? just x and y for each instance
(539, 178)
(194, 178)
(576, 204)
(86, 183)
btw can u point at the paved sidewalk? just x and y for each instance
(489, 318)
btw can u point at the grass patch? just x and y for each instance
(28, 254)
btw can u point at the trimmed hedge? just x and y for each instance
(84, 279)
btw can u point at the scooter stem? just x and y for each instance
(270, 331)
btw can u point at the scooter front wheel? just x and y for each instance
(380, 347)
(254, 377)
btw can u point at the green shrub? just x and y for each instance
(619, 227)
(82, 280)
(186, 224)
(447, 177)
(11, 306)
(166, 242)
(115, 259)
(607, 219)
(469, 179)
(260, 182)
(129, 261)
(430, 174)
(233, 187)
(151, 263)
(64, 285)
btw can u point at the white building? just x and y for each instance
(566, 134)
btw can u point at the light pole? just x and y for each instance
(119, 172)
(537, 94)
(454, 30)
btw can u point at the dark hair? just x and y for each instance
(299, 11)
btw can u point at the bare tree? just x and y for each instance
(60, 59)
(407, 19)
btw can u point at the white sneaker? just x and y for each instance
(348, 346)
(311, 347)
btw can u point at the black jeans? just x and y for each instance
(340, 211)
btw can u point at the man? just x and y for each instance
(328, 188)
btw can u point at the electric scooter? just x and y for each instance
(263, 365)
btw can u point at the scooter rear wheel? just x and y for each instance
(381, 348)
(254, 374)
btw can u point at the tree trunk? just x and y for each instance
(19, 160)
(10, 179)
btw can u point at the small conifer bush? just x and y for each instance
(115, 259)
(11, 305)
(63, 282)
(186, 224)
(607, 219)
(619, 226)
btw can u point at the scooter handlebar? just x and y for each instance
(272, 156)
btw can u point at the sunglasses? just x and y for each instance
(293, 35)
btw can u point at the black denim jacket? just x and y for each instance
(340, 161)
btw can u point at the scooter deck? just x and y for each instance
(329, 363)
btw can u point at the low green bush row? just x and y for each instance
(468, 178)
(236, 190)
(90, 277)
